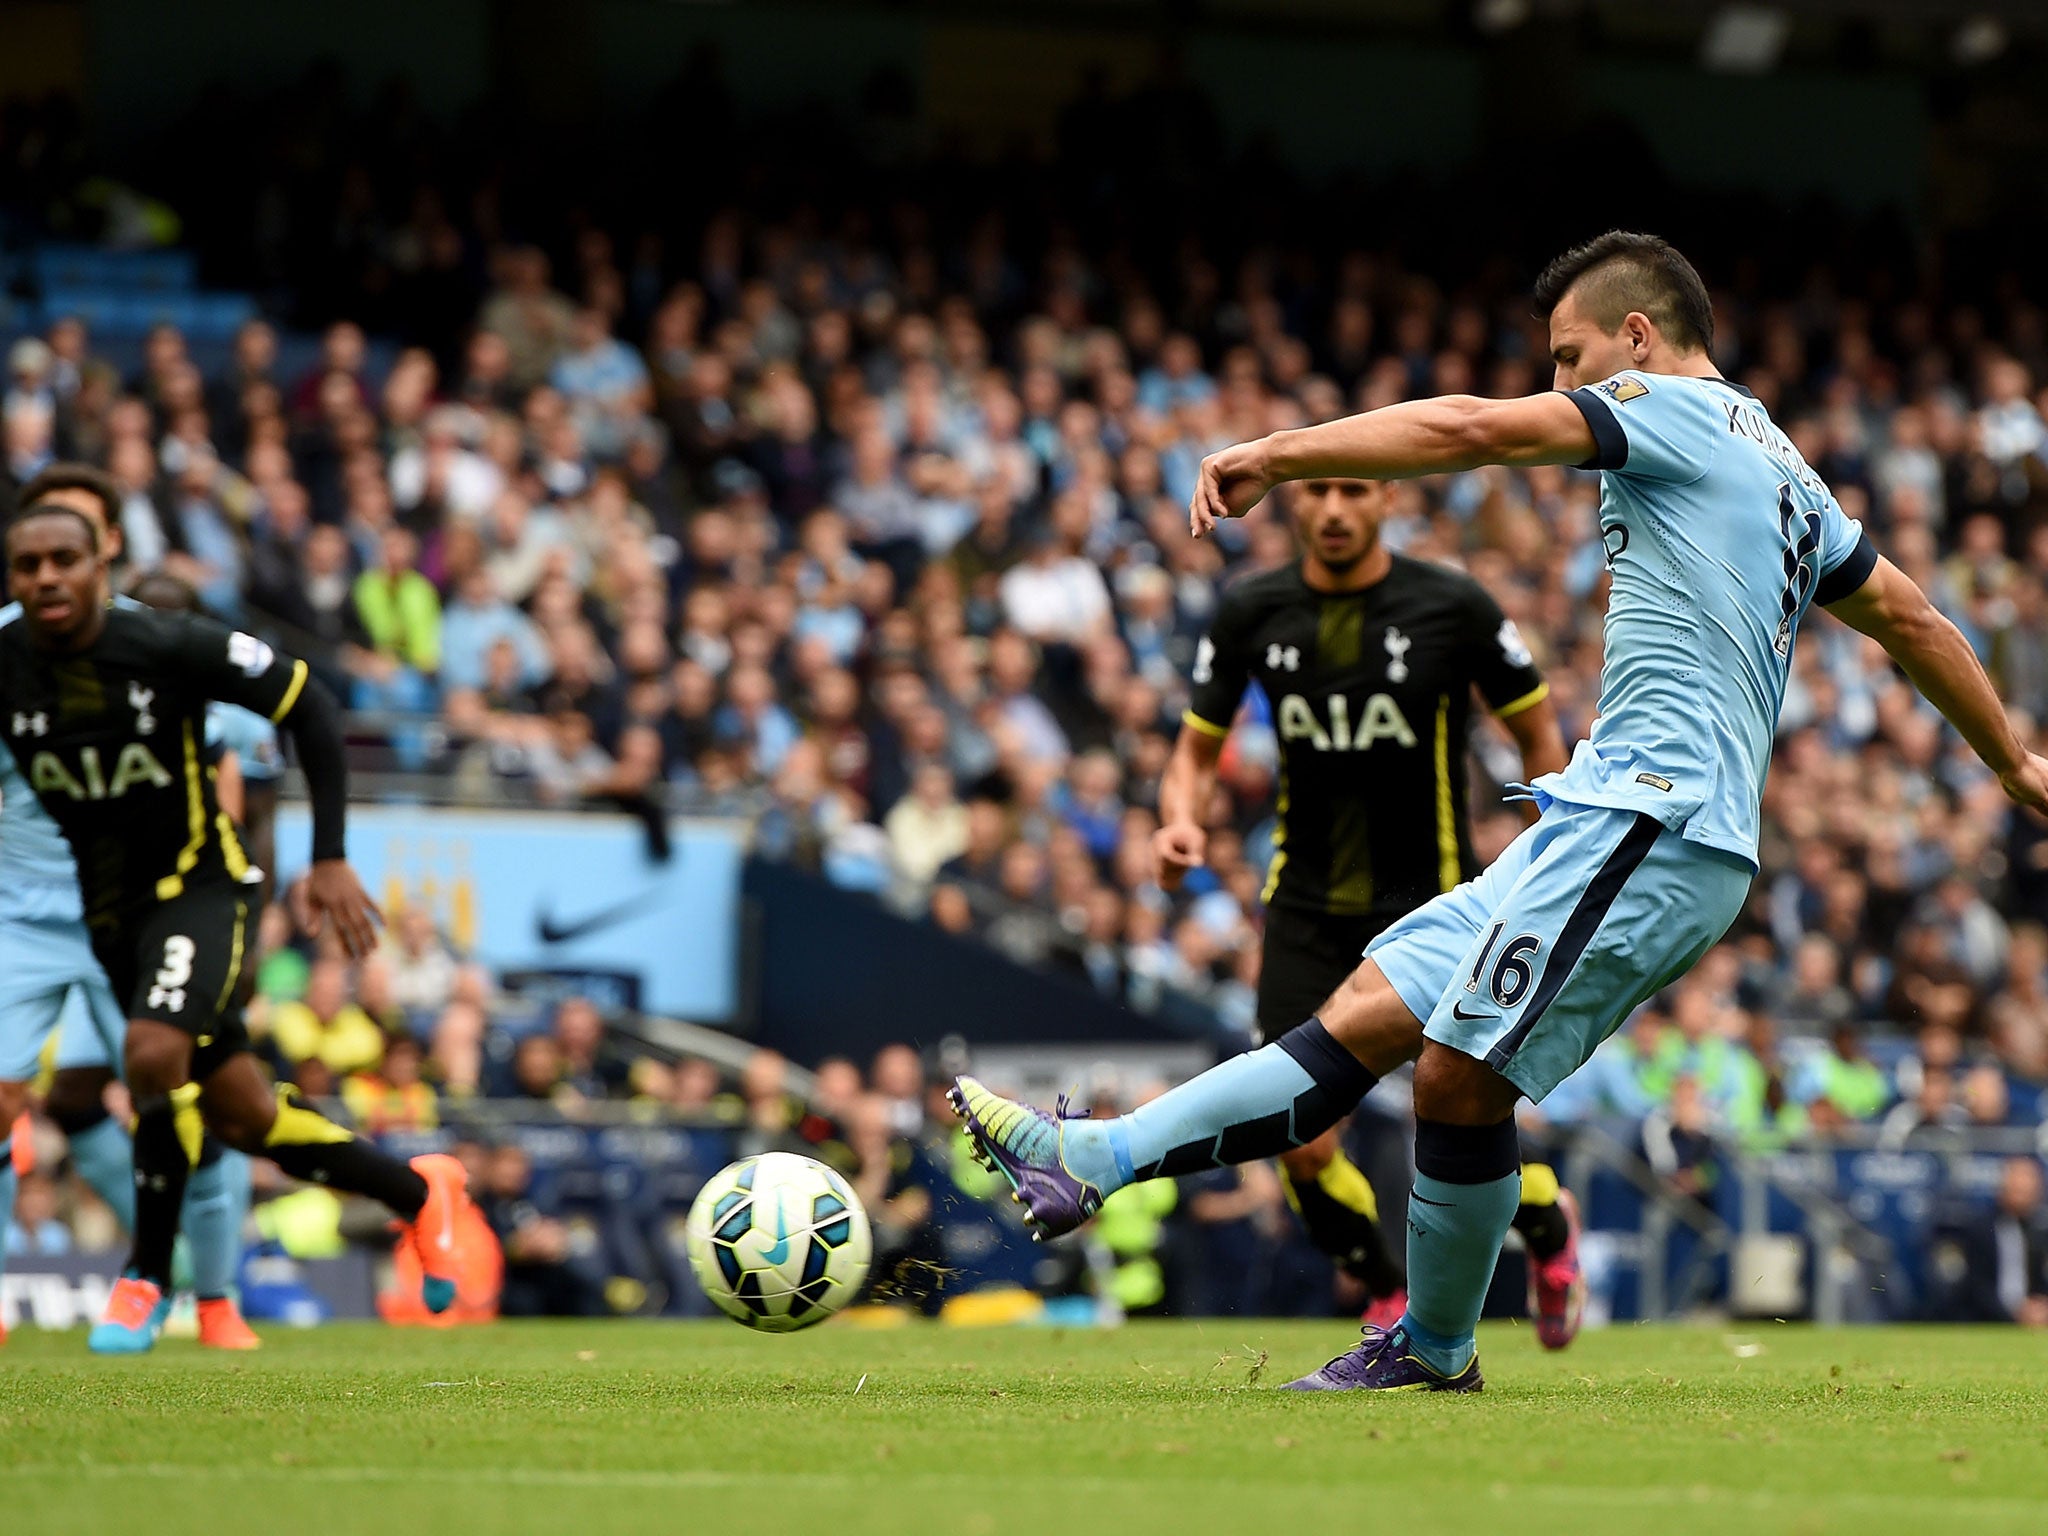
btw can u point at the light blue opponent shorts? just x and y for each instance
(1585, 916)
(48, 977)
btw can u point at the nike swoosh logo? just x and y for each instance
(553, 932)
(778, 1250)
(1459, 1013)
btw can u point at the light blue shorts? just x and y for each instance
(50, 978)
(1584, 916)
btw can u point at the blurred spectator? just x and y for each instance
(544, 1276)
(899, 1081)
(537, 1072)
(928, 827)
(326, 1025)
(392, 1096)
(591, 1067)
(909, 1264)
(1842, 1085)
(423, 971)
(1999, 1257)
(33, 1228)
(400, 615)
(533, 321)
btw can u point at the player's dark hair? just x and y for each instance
(31, 509)
(160, 589)
(1623, 272)
(64, 476)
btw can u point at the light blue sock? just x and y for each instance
(216, 1201)
(106, 1160)
(7, 1182)
(1254, 1106)
(1454, 1238)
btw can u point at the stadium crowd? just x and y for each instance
(878, 532)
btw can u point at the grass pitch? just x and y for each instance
(598, 1427)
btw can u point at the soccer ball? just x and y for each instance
(778, 1241)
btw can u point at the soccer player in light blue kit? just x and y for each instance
(51, 984)
(1719, 538)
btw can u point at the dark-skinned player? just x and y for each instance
(104, 709)
(1370, 662)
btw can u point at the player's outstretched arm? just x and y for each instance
(1182, 842)
(1417, 437)
(1893, 611)
(332, 891)
(1540, 740)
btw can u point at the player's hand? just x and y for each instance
(332, 891)
(1230, 484)
(2028, 784)
(1177, 848)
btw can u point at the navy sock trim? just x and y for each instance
(76, 1122)
(1467, 1154)
(1335, 1070)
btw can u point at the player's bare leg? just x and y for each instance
(427, 1194)
(1468, 1183)
(13, 1101)
(1369, 1017)
(158, 1062)
(216, 1196)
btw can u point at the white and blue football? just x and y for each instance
(778, 1241)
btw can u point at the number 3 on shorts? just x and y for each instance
(1512, 972)
(168, 991)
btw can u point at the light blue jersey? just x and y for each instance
(38, 876)
(49, 978)
(1719, 537)
(252, 739)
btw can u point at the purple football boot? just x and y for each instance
(1023, 1144)
(1383, 1362)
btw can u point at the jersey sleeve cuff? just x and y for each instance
(1853, 570)
(1610, 443)
(1528, 700)
(1195, 722)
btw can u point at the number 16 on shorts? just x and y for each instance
(1508, 982)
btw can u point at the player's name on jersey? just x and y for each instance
(1297, 719)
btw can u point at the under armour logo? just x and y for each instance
(37, 724)
(1283, 658)
(1397, 648)
(139, 699)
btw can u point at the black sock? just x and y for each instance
(310, 1147)
(1338, 1213)
(76, 1122)
(1466, 1154)
(162, 1165)
(1543, 1229)
(1539, 1218)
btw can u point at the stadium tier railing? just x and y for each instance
(1848, 1228)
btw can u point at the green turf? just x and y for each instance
(1171, 1427)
